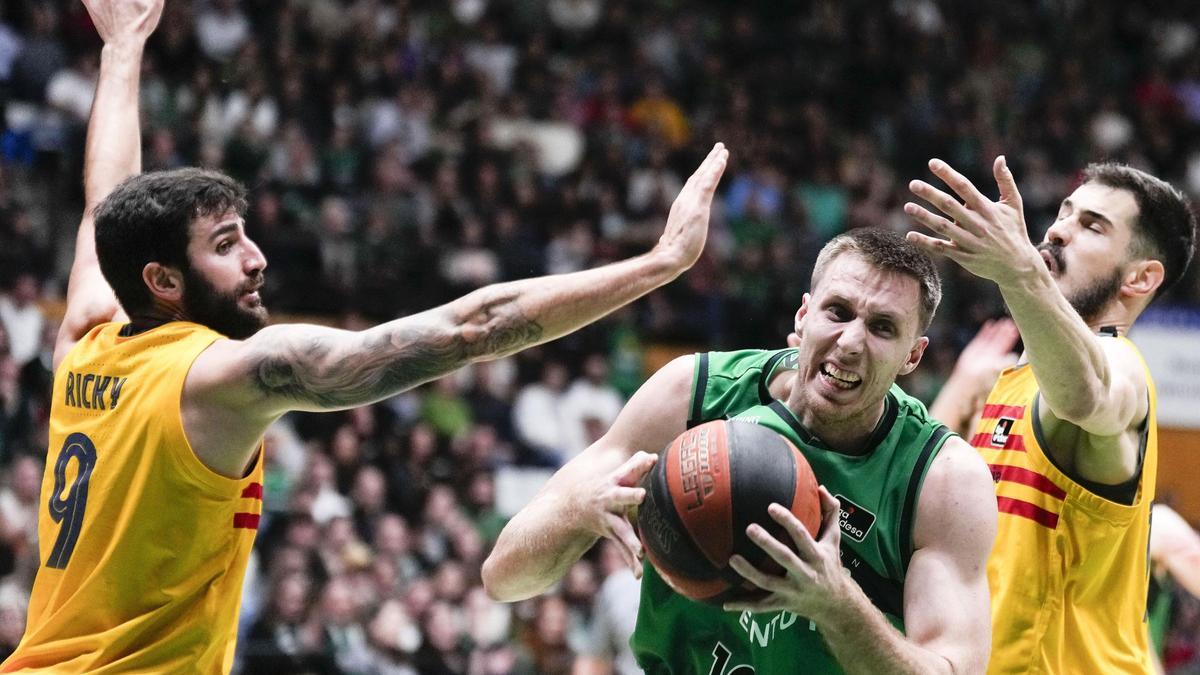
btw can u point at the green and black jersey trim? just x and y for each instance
(936, 440)
(698, 388)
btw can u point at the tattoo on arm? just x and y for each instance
(334, 369)
(497, 326)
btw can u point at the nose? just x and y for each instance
(1060, 231)
(254, 262)
(852, 338)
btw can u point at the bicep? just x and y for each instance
(1121, 405)
(946, 598)
(315, 368)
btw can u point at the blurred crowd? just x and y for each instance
(401, 153)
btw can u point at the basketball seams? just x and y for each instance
(710, 484)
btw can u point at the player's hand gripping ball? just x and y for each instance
(710, 484)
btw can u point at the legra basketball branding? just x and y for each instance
(695, 468)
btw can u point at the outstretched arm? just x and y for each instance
(592, 495)
(251, 383)
(112, 153)
(1097, 385)
(946, 619)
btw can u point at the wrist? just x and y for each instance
(663, 264)
(837, 611)
(123, 51)
(1026, 271)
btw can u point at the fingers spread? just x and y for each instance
(767, 582)
(941, 201)
(778, 551)
(931, 245)
(962, 187)
(931, 220)
(1006, 182)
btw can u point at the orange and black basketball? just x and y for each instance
(707, 487)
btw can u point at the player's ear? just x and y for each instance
(914, 355)
(800, 313)
(1142, 278)
(165, 283)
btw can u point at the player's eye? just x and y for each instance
(224, 246)
(885, 329)
(839, 313)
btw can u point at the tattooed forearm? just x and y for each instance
(337, 369)
(496, 325)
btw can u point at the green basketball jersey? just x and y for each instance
(877, 489)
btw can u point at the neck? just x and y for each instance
(154, 317)
(844, 434)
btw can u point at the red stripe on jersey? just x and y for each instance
(252, 491)
(984, 440)
(247, 521)
(1035, 480)
(1024, 509)
(995, 410)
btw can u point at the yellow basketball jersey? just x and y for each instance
(143, 548)
(1069, 570)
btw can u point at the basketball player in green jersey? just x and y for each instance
(893, 583)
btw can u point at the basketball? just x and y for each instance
(710, 484)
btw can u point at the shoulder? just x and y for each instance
(957, 505)
(673, 380)
(737, 363)
(912, 407)
(1124, 354)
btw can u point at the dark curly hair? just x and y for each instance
(148, 217)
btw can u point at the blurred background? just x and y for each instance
(400, 154)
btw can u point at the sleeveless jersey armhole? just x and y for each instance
(935, 442)
(1124, 493)
(699, 385)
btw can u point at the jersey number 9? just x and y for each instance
(68, 509)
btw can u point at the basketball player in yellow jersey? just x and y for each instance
(164, 385)
(1069, 432)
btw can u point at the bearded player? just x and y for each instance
(1070, 432)
(166, 380)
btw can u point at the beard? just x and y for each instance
(1090, 300)
(206, 305)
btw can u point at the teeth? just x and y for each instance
(839, 374)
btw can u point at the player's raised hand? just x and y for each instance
(124, 21)
(608, 500)
(813, 579)
(988, 238)
(988, 353)
(687, 225)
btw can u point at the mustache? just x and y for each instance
(252, 284)
(1055, 252)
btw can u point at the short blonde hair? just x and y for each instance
(889, 251)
